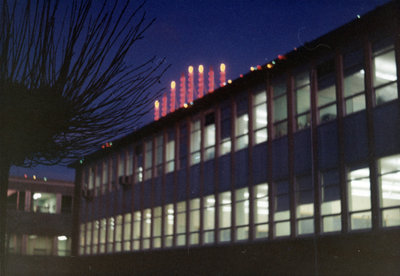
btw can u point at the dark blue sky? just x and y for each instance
(238, 33)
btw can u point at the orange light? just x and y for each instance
(185, 105)
(222, 67)
(190, 69)
(269, 65)
(173, 84)
(229, 81)
(201, 69)
(251, 68)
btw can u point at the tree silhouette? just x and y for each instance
(69, 81)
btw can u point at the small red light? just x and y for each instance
(258, 67)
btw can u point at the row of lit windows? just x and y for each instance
(195, 141)
(226, 217)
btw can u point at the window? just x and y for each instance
(209, 136)
(181, 223)
(148, 159)
(98, 178)
(159, 154)
(103, 229)
(121, 164)
(66, 204)
(209, 219)
(282, 209)
(39, 245)
(15, 200)
(138, 164)
(82, 239)
(353, 84)
(302, 93)
(194, 225)
(95, 240)
(183, 146)
(137, 219)
(104, 179)
(63, 246)
(242, 214)
(129, 161)
(225, 211)
(226, 126)
(279, 107)
(261, 211)
(88, 237)
(168, 225)
(90, 180)
(260, 117)
(242, 123)
(44, 203)
(359, 198)
(170, 154)
(157, 217)
(305, 205)
(110, 234)
(389, 190)
(384, 70)
(195, 140)
(127, 231)
(118, 234)
(330, 201)
(113, 172)
(326, 95)
(146, 228)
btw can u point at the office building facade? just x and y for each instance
(303, 149)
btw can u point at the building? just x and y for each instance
(39, 217)
(292, 169)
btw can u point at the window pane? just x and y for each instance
(360, 220)
(280, 109)
(359, 190)
(303, 100)
(331, 224)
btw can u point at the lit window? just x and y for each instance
(225, 146)
(138, 164)
(82, 239)
(389, 190)
(194, 226)
(127, 231)
(110, 234)
(95, 240)
(195, 139)
(225, 212)
(157, 217)
(209, 136)
(118, 234)
(242, 214)
(209, 219)
(326, 95)
(88, 237)
(354, 81)
(261, 211)
(146, 228)
(137, 233)
(330, 201)
(103, 229)
(170, 154)
(282, 210)
(385, 74)
(168, 225)
(181, 223)
(260, 117)
(303, 99)
(359, 188)
(279, 107)
(63, 246)
(242, 123)
(44, 203)
(305, 205)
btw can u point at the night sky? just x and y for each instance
(238, 33)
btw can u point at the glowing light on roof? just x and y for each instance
(269, 65)
(190, 69)
(251, 68)
(173, 84)
(222, 67)
(201, 68)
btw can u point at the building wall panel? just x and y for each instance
(387, 130)
(328, 145)
(224, 173)
(280, 158)
(356, 138)
(241, 168)
(302, 152)
(208, 177)
(260, 163)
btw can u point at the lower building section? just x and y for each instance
(366, 254)
(39, 245)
